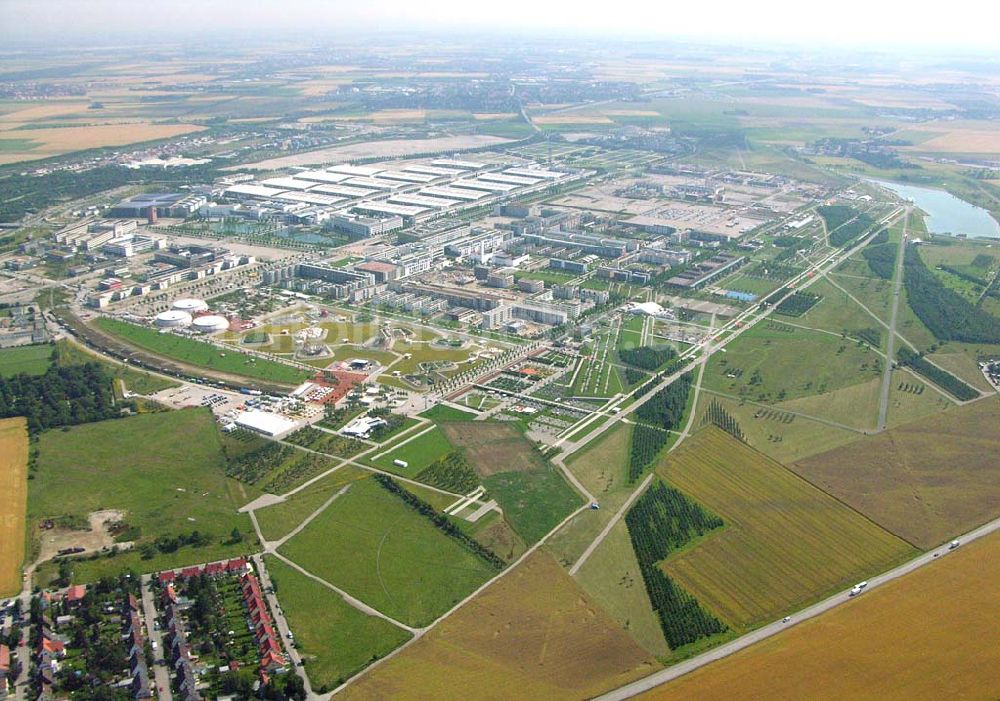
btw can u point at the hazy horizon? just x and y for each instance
(849, 24)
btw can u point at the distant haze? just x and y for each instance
(968, 24)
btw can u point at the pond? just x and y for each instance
(947, 214)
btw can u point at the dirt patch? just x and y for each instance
(533, 635)
(94, 539)
(493, 447)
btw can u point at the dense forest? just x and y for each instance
(881, 259)
(948, 315)
(661, 521)
(666, 408)
(646, 357)
(63, 396)
(843, 223)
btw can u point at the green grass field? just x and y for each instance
(31, 360)
(784, 542)
(279, 520)
(171, 483)
(775, 362)
(369, 543)
(602, 467)
(417, 453)
(334, 639)
(201, 354)
(443, 412)
(533, 502)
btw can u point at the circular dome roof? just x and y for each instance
(211, 323)
(190, 304)
(172, 318)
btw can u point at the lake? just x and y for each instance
(947, 214)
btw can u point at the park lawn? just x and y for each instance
(13, 505)
(334, 639)
(789, 363)
(602, 467)
(875, 293)
(136, 380)
(278, 520)
(201, 354)
(855, 406)
(173, 482)
(418, 453)
(777, 434)
(784, 543)
(425, 353)
(533, 502)
(372, 545)
(927, 481)
(838, 313)
(911, 398)
(923, 636)
(30, 360)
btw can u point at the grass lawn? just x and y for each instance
(775, 433)
(443, 412)
(201, 354)
(172, 482)
(334, 639)
(371, 544)
(533, 502)
(31, 360)
(774, 362)
(784, 542)
(418, 453)
(280, 519)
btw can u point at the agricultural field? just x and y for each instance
(334, 639)
(775, 361)
(372, 545)
(31, 360)
(532, 634)
(175, 485)
(766, 560)
(532, 493)
(13, 506)
(201, 354)
(926, 481)
(921, 636)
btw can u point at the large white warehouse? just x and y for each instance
(172, 319)
(191, 305)
(210, 323)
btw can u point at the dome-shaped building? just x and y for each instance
(191, 305)
(172, 319)
(210, 323)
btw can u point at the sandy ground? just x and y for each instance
(97, 538)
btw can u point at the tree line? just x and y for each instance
(942, 378)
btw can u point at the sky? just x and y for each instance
(969, 24)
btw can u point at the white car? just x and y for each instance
(953, 544)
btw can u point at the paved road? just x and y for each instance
(282, 624)
(160, 673)
(883, 407)
(767, 631)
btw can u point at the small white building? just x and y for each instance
(266, 423)
(362, 426)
